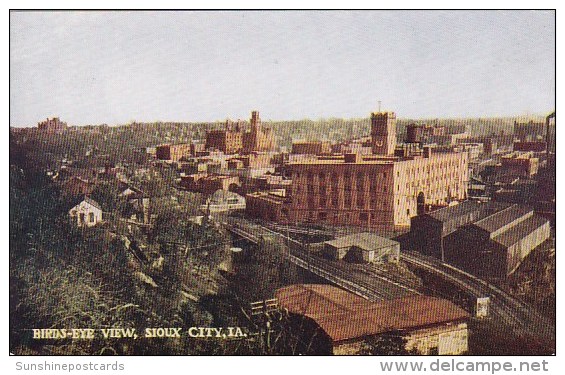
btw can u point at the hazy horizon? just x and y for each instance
(119, 67)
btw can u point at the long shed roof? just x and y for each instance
(345, 316)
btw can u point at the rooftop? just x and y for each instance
(496, 221)
(464, 208)
(345, 316)
(365, 241)
(520, 230)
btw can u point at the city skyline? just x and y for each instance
(116, 67)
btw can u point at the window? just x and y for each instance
(91, 217)
(363, 216)
(81, 218)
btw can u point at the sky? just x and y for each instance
(117, 67)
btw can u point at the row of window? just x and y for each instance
(345, 217)
(335, 176)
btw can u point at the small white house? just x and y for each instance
(87, 213)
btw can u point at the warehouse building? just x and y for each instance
(363, 247)
(486, 239)
(429, 325)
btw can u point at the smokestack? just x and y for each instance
(550, 116)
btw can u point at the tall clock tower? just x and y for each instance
(383, 133)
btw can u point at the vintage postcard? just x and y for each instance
(253, 182)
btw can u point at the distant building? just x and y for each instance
(311, 147)
(534, 146)
(375, 191)
(258, 138)
(475, 150)
(229, 140)
(173, 152)
(414, 133)
(209, 183)
(486, 239)
(383, 190)
(518, 164)
(529, 131)
(54, 125)
(448, 139)
(77, 186)
(232, 139)
(489, 144)
(363, 247)
(87, 213)
(430, 325)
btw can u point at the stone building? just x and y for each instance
(429, 325)
(54, 125)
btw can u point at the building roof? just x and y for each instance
(453, 217)
(364, 241)
(345, 316)
(520, 230)
(86, 199)
(449, 212)
(496, 221)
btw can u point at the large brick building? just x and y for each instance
(229, 140)
(376, 191)
(54, 125)
(232, 139)
(381, 190)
